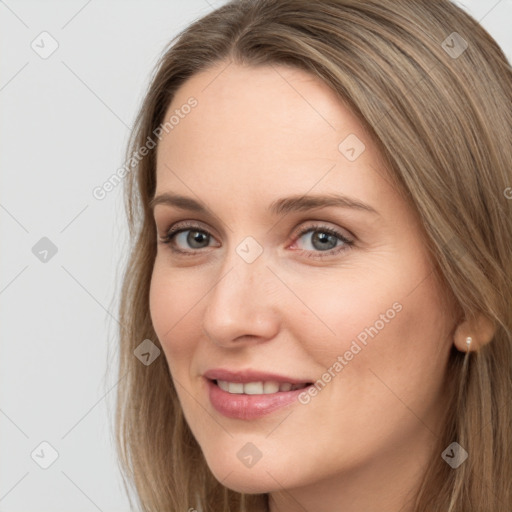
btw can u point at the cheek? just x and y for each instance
(391, 318)
(391, 364)
(344, 307)
(171, 304)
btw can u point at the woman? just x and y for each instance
(317, 309)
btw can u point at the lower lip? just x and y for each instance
(249, 407)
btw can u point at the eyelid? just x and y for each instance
(174, 227)
(297, 231)
(319, 225)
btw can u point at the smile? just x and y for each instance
(249, 395)
(257, 388)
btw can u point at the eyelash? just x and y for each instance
(169, 237)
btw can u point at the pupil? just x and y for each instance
(323, 238)
(195, 237)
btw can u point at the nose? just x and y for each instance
(242, 306)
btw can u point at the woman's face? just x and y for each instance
(275, 289)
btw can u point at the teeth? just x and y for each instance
(253, 388)
(270, 387)
(257, 388)
(236, 388)
(223, 385)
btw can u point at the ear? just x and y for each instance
(480, 328)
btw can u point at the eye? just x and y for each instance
(322, 241)
(194, 238)
(189, 238)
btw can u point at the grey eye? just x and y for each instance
(193, 239)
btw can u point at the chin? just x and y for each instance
(249, 482)
(258, 479)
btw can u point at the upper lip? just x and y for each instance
(246, 376)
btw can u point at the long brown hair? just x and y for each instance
(434, 90)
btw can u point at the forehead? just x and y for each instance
(255, 130)
(250, 108)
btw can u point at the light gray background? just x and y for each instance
(64, 125)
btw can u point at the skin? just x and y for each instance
(256, 135)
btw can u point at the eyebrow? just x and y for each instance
(297, 203)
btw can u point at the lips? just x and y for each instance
(249, 394)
